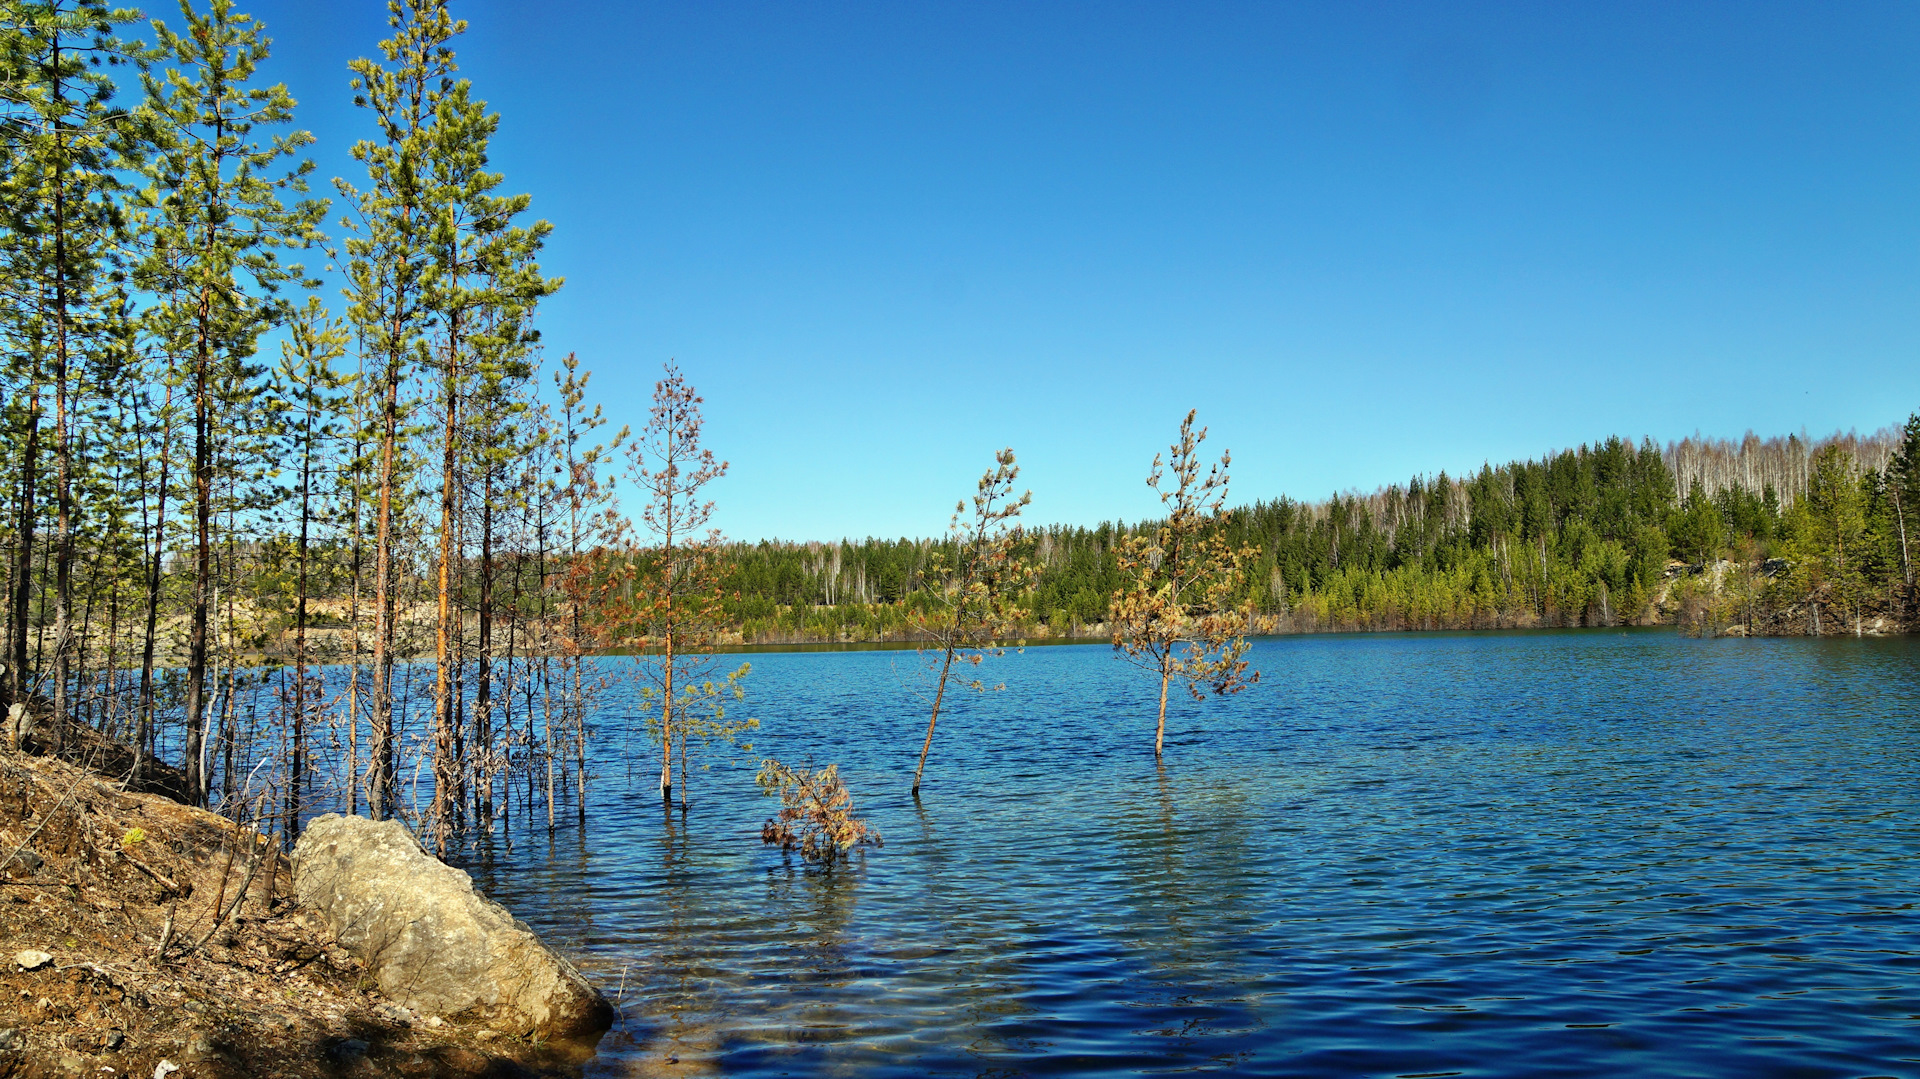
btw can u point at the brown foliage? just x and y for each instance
(1173, 616)
(816, 813)
(969, 600)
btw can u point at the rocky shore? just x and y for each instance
(141, 937)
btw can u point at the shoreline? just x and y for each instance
(142, 933)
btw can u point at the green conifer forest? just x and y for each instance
(1785, 535)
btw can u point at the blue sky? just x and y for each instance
(1366, 241)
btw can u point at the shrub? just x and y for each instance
(816, 813)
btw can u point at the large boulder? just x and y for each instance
(430, 941)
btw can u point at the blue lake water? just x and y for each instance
(1584, 854)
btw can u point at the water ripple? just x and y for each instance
(1564, 854)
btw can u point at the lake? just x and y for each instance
(1578, 853)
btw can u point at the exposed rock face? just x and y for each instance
(430, 941)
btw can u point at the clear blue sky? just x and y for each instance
(1365, 241)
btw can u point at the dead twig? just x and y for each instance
(44, 821)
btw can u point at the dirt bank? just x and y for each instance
(159, 934)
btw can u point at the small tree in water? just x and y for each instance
(1173, 615)
(816, 813)
(967, 599)
(668, 596)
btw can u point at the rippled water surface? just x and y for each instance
(1585, 853)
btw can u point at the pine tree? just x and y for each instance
(309, 385)
(1903, 487)
(670, 598)
(218, 218)
(968, 597)
(1174, 615)
(389, 263)
(482, 285)
(63, 236)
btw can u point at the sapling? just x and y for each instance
(1174, 615)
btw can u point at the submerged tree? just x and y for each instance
(310, 390)
(816, 813)
(668, 599)
(1174, 616)
(968, 593)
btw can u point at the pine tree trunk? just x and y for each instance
(194, 750)
(939, 694)
(1160, 732)
(666, 725)
(63, 527)
(297, 769)
(445, 764)
(380, 786)
(143, 735)
(483, 667)
(17, 682)
(353, 635)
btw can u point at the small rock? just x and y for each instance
(10, 1039)
(487, 1035)
(27, 859)
(200, 1047)
(164, 1069)
(194, 1006)
(346, 1050)
(32, 960)
(115, 1039)
(435, 1021)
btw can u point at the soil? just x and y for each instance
(169, 948)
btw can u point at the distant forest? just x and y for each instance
(1782, 535)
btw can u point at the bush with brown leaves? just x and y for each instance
(816, 813)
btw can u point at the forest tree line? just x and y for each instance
(1782, 535)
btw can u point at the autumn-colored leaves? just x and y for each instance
(969, 595)
(1175, 616)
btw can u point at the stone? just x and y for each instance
(32, 960)
(10, 1040)
(430, 941)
